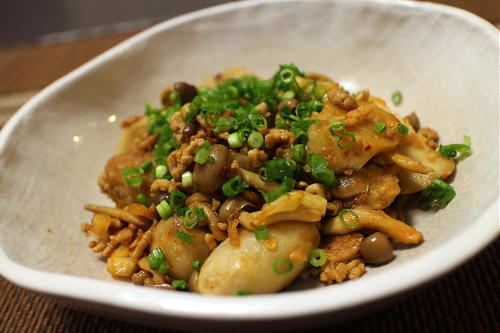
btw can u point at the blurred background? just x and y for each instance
(41, 41)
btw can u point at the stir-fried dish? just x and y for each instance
(241, 185)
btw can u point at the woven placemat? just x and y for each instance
(464, 301)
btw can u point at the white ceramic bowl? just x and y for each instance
(444, 60)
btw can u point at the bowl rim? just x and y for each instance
(264, 307)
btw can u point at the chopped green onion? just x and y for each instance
(187, 179)
(325, 176)
(316, 161)
(181, 211)
(379, 127)
(202, 156)
(193, 216)
(453, 149)
(234, 186)
(280, 123)
(402, 129)
(261, 232)
(146, 165)
(299, 153)
(133, 176)
(141, 198)
(184, 236)
(235, 140)
(317, 257)
(288, 94)
(397, 98)
(439, 194)
(343, 215)
(196, 264)
(177, 199)
(255, 140)
(160, 171)
(351, 137)
(258, 121)
(179, 284)
(286, 75)
(285, 187)
(278, 266)
(336, 126)
(242, 293)
(223, 125)
(300, 136)
(278, 170)
(205, 145)
(164, 209)
(156, 260)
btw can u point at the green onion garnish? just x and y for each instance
(234, 186)
(439, 194)
(235, 140)
(187, 179)
(205, 145)
(242, 293)
(280, 123)
(179, 284)
(133, 176)
(286, 75)
(351, 137)
(202, 156)
(288, 94)
(223, 125)
(156, 260)
(325, 176)
(193, 216)
(397, 98)
(146, 165)
(255, 140)
(141, 198)
(316, 161)
(164, 209)
(299, 153)
(177, 199)
(402, 129)
(317, 257)
(336, 126)
(261, 232)
(282, 266)
(343, 215)
(184, 236)
(258, 121)
(278, 170)
(453, 149)
(160, 171)
(196, 264)
(300, 136)
(379, 127)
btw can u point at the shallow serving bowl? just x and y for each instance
(444, 60)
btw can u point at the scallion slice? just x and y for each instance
(179, 284)
(185, 237)
(403, 129)
(160, 171)
(141, 198)
(176, 199)
(156, 260)
(258, 121)
(317, 257)
(351, 138)
(438, 195)
(453, 149)
(242, 293)
(146, 165)
(299, 153)
(282, 266)
(255, 140)
(187, 179)
(379, 127)
(325, 176)
(261, 232)
(234, 186)
(235, 140)
(202, 156)
(349, 218)
(133, 176)
(336, 126)
(164, 209)
(193, 216)
(196, 264)
(397, 98)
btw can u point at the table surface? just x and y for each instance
(466, 300)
